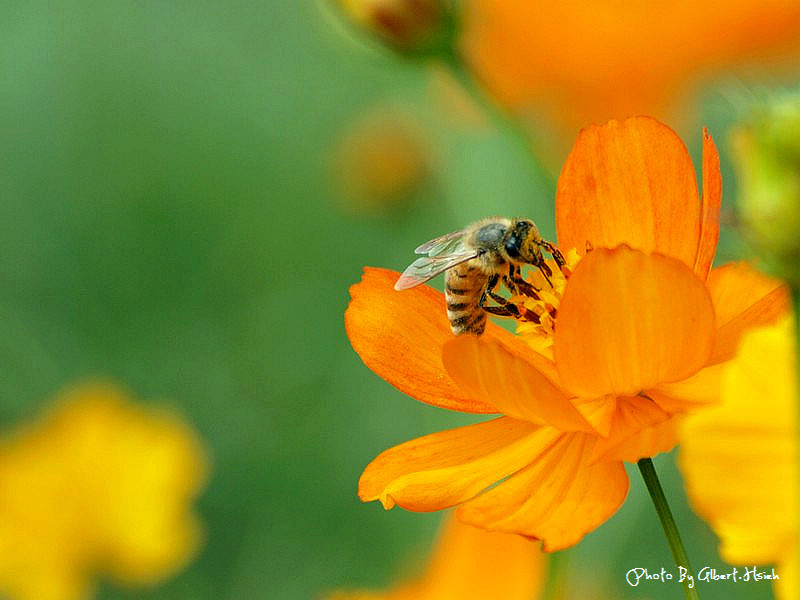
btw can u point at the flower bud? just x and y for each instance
(408, 26)
(767, 152)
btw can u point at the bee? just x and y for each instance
(475, 260)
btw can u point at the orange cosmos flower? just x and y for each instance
(468, 562)
(631, 340)
(750, 437)
(583, 61)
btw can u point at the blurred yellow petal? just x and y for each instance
(98, 486)
(786, 587)
(750, 436)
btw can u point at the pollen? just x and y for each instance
(536, 323)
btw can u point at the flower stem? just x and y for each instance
(501, 118)
(795, 290)
(650, 477)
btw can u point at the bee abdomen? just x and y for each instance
(463, 288)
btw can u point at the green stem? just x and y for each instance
(650, 477)
(556, 574)
(795, 290)
(501, 118)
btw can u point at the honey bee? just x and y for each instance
(475, 260)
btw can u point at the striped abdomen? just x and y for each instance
(464, 285)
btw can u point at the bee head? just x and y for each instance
(522, 243)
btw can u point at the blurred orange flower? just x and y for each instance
(582, 61)
(633, 344)
(468, 562)
(97, 486)
(740, 458)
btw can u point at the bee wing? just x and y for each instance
(449, 243)
(426, 267)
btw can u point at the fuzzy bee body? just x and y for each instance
(464, 286)
(474, 260)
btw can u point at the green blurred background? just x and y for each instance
(169, 219)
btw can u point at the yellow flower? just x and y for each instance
(468, 562)
(739, 459)
(98, 485)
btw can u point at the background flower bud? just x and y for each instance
(409, 26)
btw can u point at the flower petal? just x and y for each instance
(751, 434)
(786, 587)
(640, 429)
(700, 389)
(399, 335)
(629, 321)
(442, 469)
(558, 498)
(469, 562)
(490, 371)
(629, 182)
(711, 202)
(743, 298)
(473, 563)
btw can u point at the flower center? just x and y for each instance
(539, 306)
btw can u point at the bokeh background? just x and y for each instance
(186, 192)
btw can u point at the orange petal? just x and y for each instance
(629, 321)
(473, 563)
(743, 298)
(399, 335)
(558, 498)
(641, 429)
(468, 562)
(700, 389)
(598, 411)
(629, 182)
(711, 202)
(488, 370)
(442, 469)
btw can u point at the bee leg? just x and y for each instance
(516, 284)
(555, 252)
(489, 289)
(509, 309)
(503, 310)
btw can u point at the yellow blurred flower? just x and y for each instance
(98, 485)
(739, 458)
(470, 563)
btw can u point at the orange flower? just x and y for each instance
(584, 61)
(635, 343)
(471, 563)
